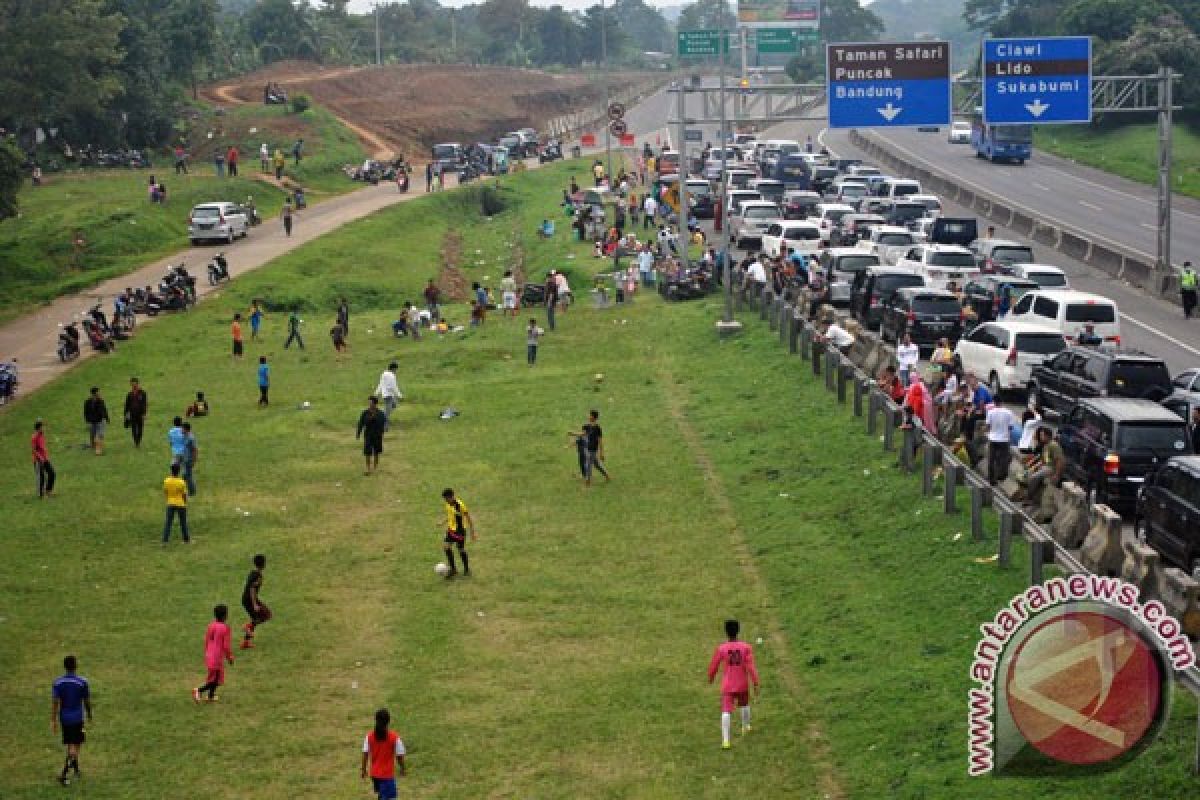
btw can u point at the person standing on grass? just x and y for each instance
(429, 177)
(231, 160)
(413, 315)
(380, 747)
(372, 422)
(72, 700)
(256, 318)
(264, 381)
(594, 437)
(551, 299)
(389, 390)
(216, 652)
(737, 658)
(191, 453)
(264, 157)
(343, 316)
(508, 293)
(41, 461)
(532, 334)
(338, 335)
(287, 217)
(999, 422)
(175, 491)
(280, 161)
(136, 406)
(218, 163)
(177, 439)
(198, 407)
(298, 151)
(256, 609)
(95, 414)
(235, 330)
(458, 522)
(433, 300)
(294, 331)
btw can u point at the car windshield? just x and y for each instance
(206, 212)
(908, 212)
(796, 234)
(1137, 375)
(836, 214)
(902, 189)
(1013, 133)
(853, 190)
(895, 239)
(855, 263)
(1044, 344)
(931, 204)
(699, 188)
(1091, 312)
(761, 212)
(1012, 255)
(893, 282)
(1048, 280)
(935, 304)
(951, 260)
(1160, 438)
(444, 151)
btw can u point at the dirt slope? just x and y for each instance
(406, 108)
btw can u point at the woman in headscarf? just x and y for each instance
(919, 402)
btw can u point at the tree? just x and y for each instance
(503, 24)
(645, 26)
(280, 29)
(602, 34)
(1107, 20)
(1161, 42)
(11, 177)
(847, 21)
(560, 38)
(705, 15)
(191, 34)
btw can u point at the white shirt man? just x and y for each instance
(999, 422)
(839, 337)
(756, 273)
(646, 265)
(388, 390)
(650, 206)
(907, 357)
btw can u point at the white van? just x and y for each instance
(1070, 312)
(1043, 275)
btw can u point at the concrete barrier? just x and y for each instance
(1074, 246)
(1139, 566)
(1046, 234)
(1022, 223)
(965, 197)
(1181, 596)
(1106, 259)
(1140, 274)
(1101, 552)
(1069, 526)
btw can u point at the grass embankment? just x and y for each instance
(122, 230)
(1130, 151)
(571, 665)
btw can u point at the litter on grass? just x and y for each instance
(988, 559)
(448, 413)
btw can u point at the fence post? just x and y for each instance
(889, 427)
(872, 413)
(908, 447)
(1037, 558)
(860, 388)
(764, 304)
(930, 453)
(954, 476)
(845, 373)
(979, 498)
(830, 368)
(773, 312)
(793, 332)
(785, 323)
(817, 350)
(1009, 527)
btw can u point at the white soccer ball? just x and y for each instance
(442, 568)
(306, 404)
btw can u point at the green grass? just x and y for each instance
(572, 664)
(1130, 151)
(122, 230)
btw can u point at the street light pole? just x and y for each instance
(727, 326)
(378, 50)
(607, 88)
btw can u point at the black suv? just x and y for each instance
(875, 286)
(983, 294)
(926, 314)
(1080, 372)
(1168, 512)
(1112, 444)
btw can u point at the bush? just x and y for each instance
(300, 103)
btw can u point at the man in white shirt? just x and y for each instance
(650, 207)
(999, 421)
(907, 357)
(646, 265)
(839, 337)
(756, 274)
(389, 390)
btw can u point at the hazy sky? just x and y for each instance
(366, 5)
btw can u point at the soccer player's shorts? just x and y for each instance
(510, 299)
(72, 733)
(730, 700)
(237, 347)
(385, 788)
(372, 445)
(262, 615)
(453, 537)
(216, 676)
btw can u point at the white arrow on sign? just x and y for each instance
(889, 112)
(1037, 107)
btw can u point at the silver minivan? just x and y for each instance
(222, 222)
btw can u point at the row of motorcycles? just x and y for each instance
(175, 292)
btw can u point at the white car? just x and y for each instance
(829, 216)
(1043, 275)
(222, 222)
(753, 219)
(960, 132)
(933, 206)
(1070, 313)
(1004, 353)
(889, 243)
(803, 237)
(940, 264)
(734, 199)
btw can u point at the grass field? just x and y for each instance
(120, 227)
(1130, 151)
(571, 664)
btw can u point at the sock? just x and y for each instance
(745, 716)
(75, 764)
(66, 766)
(450, 558)
(725, 716)
(466, 566)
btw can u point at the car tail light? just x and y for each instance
(1011, 361)
(1112, 464)
(912, 317)
(1114, 339)
(874, 300)
(996, 302)
(221, 219)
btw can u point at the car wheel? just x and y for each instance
(994, 385)
(194, 242)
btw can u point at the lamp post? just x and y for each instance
(727, 325)
(607, 87)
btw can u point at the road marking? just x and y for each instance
(1039, 186)
(1092, 206)
(1147, 201)
(1148, 225)
(1162, 335)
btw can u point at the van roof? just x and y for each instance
(1132, 408)
(1072, 296)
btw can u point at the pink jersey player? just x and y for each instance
(738, 659)
(216, 652)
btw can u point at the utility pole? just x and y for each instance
(454, 33)
(1165, 96)
(378, 50)
(607, 88)
(685, 237)
(727, 325)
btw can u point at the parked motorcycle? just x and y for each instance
(98, 338)
(550, 152)
(252, 217)
(8, 381)
(218, 269)
(68, 342)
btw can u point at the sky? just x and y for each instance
(362, 6)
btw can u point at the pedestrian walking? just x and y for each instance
(279, 162)
(231, 160)
(433, 301)
(389, 390)
(177, 440)
(287, 217)
(298, 151)
(72, 703)
(594, 438)
(180, 160)
(95, 415)
(343, 316)
(264, 157)
(219, 163)
(1187, 289)
(256, 318)
(551, 298)
(175, 491)
(458, 523)
(41, 461)
(508, 294)
(413, 316)
(532, 334)
(338, 337)
(235, 331)
(380, 747)
(136, 405)
(264, 381)
(191, 453)
(737, 659)
(294, 331)
(216, 653)
(999, 422)
(372, 422)
(256, 609)
(429, 177)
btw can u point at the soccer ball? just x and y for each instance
(442, 569)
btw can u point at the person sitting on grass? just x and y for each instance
(198, 408)
(546, 230)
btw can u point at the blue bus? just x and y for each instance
(1001, 142)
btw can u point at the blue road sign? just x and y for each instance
(888, 84)
(1042, 80)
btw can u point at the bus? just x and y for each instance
(1001, 142)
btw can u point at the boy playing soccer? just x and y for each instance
(71, 699)
(379, 748)
(738, 658)
(255, 607)
(458, 519)
(216, 649)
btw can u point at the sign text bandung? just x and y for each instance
(1037, 80)
(900, 84)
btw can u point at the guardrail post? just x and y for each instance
(979, 498)
(1037, 558)
(793, 333)
(908, 447)
(872, 413)
(889, 427)
(860, 388)
(954, 476)
(817, 350)
(1196, 759)
(830, 368)
(773, 312)
(930, 453)
(844, 373)
(806, 348)
(1010, 525)
(764, 304)
(785, 322)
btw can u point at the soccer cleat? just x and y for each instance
(247, 644)
(64, 780)
(725, 745)
(196, 696)
(746, 729)
(213, 699)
